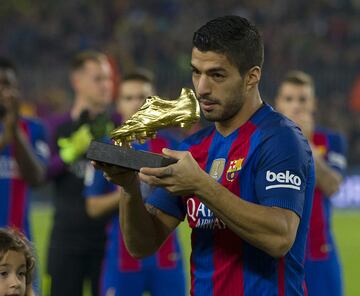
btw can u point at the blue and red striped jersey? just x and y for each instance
(332, 147)
(169, 255)
(14, 191)
(266, 161)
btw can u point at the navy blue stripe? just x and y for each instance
(203, 250)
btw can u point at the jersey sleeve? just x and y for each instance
(284, 170)
(168, 203)
(165, 201)
(336, 156)
(95, 183)
(39, 142)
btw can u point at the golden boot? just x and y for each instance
(157, 113)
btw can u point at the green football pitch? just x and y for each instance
(346, 227)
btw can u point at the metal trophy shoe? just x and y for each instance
(157, 113)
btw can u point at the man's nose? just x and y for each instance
(203, 86)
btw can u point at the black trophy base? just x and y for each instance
(126, 157)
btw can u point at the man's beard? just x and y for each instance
(222, 113)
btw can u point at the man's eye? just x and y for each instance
(288, 98)
(218, 75)
(195, 72)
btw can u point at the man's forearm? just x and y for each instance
(30, 167)
(142, 232)
(272, 230)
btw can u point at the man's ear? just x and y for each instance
(252, 77)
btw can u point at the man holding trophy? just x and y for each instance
(244, 184)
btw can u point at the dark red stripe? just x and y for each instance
(166, 256)
(17, 203)
(157, 144)
(126, 262)
(228, 277)
(18, 190)
(201, 151)
(317, 239)
(200, 154)
(281, 276)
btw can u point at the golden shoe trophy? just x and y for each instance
(155, 114)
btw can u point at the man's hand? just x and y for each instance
(117, 175)
(181, 178)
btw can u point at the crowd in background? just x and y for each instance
(319, 37)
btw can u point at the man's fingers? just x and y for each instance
(151, 180)
(158, 172)
(174, 153)
(154, 181)
(98, 165)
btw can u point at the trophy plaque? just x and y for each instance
(155, 114)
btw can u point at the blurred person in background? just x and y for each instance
(77, 242)
(24, 153)
(296, 100)
(123, 274)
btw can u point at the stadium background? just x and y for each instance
(318, 36)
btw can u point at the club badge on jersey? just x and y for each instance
(234, 168)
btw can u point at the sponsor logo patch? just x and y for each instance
(283, 180)
(200, 216)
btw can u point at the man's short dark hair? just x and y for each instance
(299, 78)
(142, 75)
(235, 37)
(7, 64)
(81, 58)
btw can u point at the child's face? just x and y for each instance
(13, 274)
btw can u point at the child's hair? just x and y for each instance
(13, 240)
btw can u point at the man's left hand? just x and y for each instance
(182, 178)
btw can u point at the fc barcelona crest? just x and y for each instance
(234, 168)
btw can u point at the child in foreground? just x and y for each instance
(17, 264)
